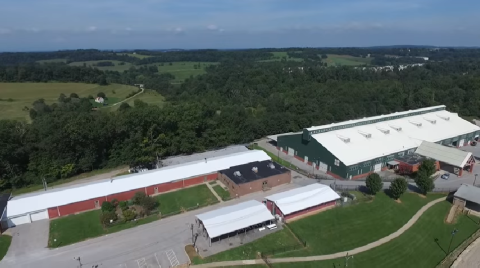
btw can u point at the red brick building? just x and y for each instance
(301, 201)
(83, 197)
(254, 177)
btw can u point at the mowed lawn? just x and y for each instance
(16, 96)
(75, 228)
(183, 69)
(275, 241)
(183, 200)
(346, 60)
(224, 194)
(117, 67)
(346, 228)
(150, 97)
(423, 245)
(5, 241)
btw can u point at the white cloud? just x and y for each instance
(212, 27)
(92, 28)
(128, 29)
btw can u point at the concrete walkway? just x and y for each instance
(367, 247)
(470, 257)
(213, 192)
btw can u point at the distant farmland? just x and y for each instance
(346, 60)
(16, 96)
(117, 67)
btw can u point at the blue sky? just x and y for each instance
(115, 24)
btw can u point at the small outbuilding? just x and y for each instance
(467, 197)
(232, 220)
(254, 177)
(300, 201)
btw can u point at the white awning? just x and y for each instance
(448, 155)
(233, 218)
(393, 163)
(304, 197)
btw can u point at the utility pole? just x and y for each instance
(475, 179)
(44, 184)
(191, 227)
(451, 240)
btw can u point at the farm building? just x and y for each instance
(254, 177)
(355, 148)
(467, 197)
(231, 220)
(301, 201)
(408, 164)
(70, 200)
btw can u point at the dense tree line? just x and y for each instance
(236, 101)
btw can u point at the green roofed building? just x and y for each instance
(355, 148)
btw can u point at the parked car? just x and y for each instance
(446, 176)
(473, 143)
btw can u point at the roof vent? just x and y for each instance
(255, 169)
(397, 128)
(385, 131)
(418, 124)
(365, 134)
(237, 173)
(271, 165)
(446, 118)
(344, 139)
(433, 121)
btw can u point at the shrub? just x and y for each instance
(107, 207)
(108, 217)
(129, 215)
(101, 95)
(398, 187)
(138, 198)
(123, 205)
(374, 183)
(115, 202)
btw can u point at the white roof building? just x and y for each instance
(449, 155)
(302, 198)
(66, 195)
(364, 139)
(233, 218)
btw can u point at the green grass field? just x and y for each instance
(5, 241)
(282, 238)
(75, 228)
(224, 194)
(136, 55)
(182, 70)
(346, 60)
(150, 97)
(52, 61)
(278, 56)
(423, 245)
(24, 94)
(342, 228)
(185, 199)
(357, 225)
(117, 67)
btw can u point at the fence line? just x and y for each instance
(363, 188)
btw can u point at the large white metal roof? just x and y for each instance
(445, 154)
(62, 196)
(232, 218)
(303, 198)
(366, 142)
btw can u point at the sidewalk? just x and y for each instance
(367, 247)
(213, 192)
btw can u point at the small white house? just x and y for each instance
(99, 100)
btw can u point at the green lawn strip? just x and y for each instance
(5, 241)
(213, 183)
(417, 247)
(185, 199)
(353, 226)
(276, 241)
(224, 194)
(75, 228)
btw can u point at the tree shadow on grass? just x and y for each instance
(414, 188)
(438, 244)
(388, 193)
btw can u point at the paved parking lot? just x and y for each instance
(161, 259)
